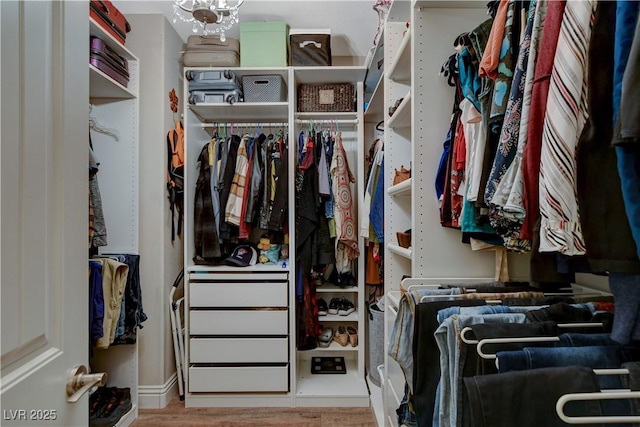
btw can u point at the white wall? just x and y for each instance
(158, 46)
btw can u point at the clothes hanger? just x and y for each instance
(378, 128)
(93, 124)
(467, 340)
(602, 395)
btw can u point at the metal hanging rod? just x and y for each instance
(242, 125)
(339, 121)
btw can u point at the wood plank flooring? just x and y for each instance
(175, 414)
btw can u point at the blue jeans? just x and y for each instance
(452, 361)
(401, 340)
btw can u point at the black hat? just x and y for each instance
(243, 256)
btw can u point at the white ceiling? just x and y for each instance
(353, 23)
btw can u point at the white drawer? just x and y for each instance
(238, 294)
(238, 350)
(239, 379)
(239, 322)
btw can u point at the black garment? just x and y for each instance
(560, 312)
(257, 181)
(205, 234)
(134, 313)
(632, 382)
(279, 210)
(226, 179)
(610, 244)
(426, 356)
(265, 205)
(528, 398)
(514, 302)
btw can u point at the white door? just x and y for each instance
(44, 209)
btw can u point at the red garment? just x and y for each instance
(491, 56)
(540, 91)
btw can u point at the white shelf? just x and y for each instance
(399, 250)
(335, 289)
(449, 4)
(96, 30)
(402, 116)
(349, 384)
(242, 112)
(103, 86)
(334, 346)
(353, 317)
(402, 189)
(375, 108)
(328, 116)
(320, 75)
(400, 69)
(282, 266)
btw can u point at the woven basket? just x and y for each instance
(330, 97)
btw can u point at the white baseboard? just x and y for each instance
(158, 396)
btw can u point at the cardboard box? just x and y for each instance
(264, 44)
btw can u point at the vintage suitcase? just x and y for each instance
(110, 18)
(310, 47)
(266, 88)
(213, 86)
(209, 51)
(108, 61)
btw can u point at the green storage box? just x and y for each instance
(264, 44)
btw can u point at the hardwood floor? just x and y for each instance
(175, 414)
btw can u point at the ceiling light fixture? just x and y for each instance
(213, 16)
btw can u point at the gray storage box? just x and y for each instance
(265, 88)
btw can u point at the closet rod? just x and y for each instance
(339, 121)
(242, 125)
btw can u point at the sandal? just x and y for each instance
(324, 339)
(353, 336)
(341, 336)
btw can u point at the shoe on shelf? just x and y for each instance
(334, 305)
(353, 336)
(341, 336)
(322, 307)
(324, 339)
(346, 307)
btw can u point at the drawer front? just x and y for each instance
(238, 350)
(239, 294)
(239, 379)
(239, 322)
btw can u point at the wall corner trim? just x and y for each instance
(158, 396)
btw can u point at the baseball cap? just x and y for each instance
(243, 256)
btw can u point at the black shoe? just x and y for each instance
(334, 305)
(322, 307)
(346, 307)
